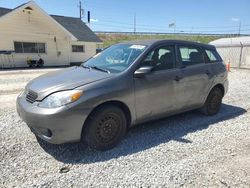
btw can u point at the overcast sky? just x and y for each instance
(203, 16)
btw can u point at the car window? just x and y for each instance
(191, 55)
(116, 58)
(211, 56)
(162, 58)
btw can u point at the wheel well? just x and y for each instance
(119, 104)
(221, 87)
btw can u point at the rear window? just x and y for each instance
(191, 55)
(212, 56)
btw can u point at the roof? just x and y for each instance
(230, 42)
(160, 41)
(4, 11)
(79, 29)
(74, 25)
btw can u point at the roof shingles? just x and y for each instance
(4, 11)
(79, 29)
(74, 25)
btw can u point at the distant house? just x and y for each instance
(28, 32)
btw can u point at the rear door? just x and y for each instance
(195, 77)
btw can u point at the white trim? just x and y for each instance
(34, 5)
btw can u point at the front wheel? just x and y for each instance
(105, 127)
(213, 102)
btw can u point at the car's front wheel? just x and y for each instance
(105, 127)
(213, 102)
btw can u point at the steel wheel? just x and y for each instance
(213, 102)
(105, 127)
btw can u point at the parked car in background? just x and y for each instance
(124, 85)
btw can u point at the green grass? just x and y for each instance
(110, 39)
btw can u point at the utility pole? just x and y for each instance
(80, 6)
(80, 9)
(174, 26)
(237, 20)
(134, 23)
(239, 27)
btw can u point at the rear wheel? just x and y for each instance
(213, 102)
(105, 127)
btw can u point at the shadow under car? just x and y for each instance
(143, 136)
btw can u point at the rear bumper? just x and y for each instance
(56, 126)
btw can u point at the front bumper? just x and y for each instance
(56, 126)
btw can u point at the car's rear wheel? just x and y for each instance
(213, 102)
(105, 127)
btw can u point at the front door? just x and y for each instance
(155, 92)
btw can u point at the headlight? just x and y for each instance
(60, 98)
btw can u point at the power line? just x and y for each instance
(165, 29)
(184, 27)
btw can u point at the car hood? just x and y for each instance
(65, 79)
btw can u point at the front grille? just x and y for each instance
(31, 96)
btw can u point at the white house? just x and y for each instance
(235, 51)
(28, 32)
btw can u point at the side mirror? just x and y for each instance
(142, 71)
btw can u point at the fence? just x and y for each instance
(237, 55)
(6, 59)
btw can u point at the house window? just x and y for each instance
(29, 47)
(78, 48)
(18, 47)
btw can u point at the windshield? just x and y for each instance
(116, 58)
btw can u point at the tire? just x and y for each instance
(105, 128)
(213, 102)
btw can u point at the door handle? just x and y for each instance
(177, 78)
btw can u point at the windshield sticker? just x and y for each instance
(138, 47)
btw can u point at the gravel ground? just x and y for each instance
(13, 81)
(189, 150)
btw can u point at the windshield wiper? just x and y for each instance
(100, 69)
(86, 67)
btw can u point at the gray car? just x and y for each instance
(124, 85)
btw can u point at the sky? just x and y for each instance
(193, 16)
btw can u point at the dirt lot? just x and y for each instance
(190, 149)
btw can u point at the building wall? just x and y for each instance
(90, 50)
(35, 27)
